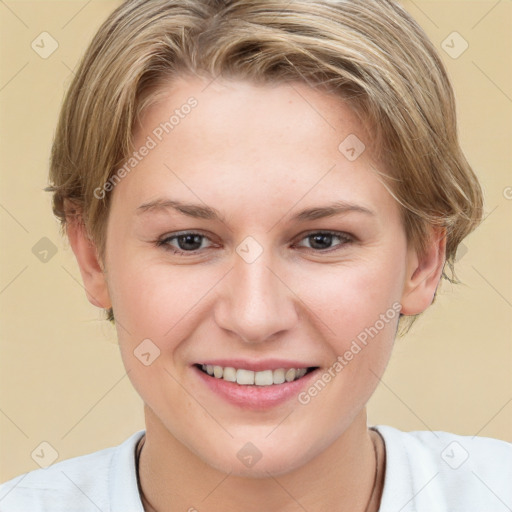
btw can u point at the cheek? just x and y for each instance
(352, 297)
(358, 311)
(151, 297)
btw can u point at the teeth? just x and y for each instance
(244, 377)
(248, 377)
(279, 376)
(229, 374)
(290, 375)
(264, 378)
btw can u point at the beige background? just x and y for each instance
(62, 379)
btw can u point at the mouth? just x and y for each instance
(245, 377)
(265, 386)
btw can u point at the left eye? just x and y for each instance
(189, 242)
(322, 241)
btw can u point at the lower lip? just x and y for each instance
(255, 397)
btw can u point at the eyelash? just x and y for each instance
(344, 237)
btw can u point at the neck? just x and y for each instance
(344, 477)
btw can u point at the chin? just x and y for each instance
(275, 465)
(245, 459)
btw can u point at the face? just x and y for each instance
(250, 236)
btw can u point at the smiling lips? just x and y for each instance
(255, 385)
(254, 378)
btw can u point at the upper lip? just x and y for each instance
(257, 366)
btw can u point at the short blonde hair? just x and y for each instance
(370, 53)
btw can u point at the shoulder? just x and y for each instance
(83, 483)
(451, 471)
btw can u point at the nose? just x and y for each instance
(255, 302)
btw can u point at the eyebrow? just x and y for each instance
(206, 212)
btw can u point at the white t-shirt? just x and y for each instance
(425, 472)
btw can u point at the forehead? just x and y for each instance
(236, 108)
(259, 141)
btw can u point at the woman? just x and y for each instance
(261, 194)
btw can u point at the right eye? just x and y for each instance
(187, 242)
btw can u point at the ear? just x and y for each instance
(423, 274)
(87, 257)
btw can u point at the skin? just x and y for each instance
(258, 155)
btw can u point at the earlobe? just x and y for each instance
(90, 268)
(423, 274)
